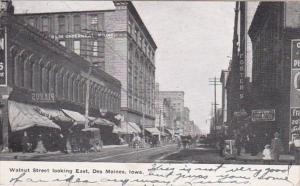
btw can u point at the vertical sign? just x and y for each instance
(295, 88)
(242, 76)
(3, 65)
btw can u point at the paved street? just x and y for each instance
(116, 154)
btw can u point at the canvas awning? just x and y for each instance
(119, 130)
(169, 131)
(23, 116)
(101, 121)
(53, 114)
(135, 127)
(153, 131)
(125, 128)
(76, 116)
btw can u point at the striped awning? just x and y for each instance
(23, 116)
(76, 116)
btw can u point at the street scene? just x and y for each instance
(150, 82)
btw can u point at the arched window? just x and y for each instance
(45, 24)
(61, 24)
(65, 85)
(21, 70)
(70, 87)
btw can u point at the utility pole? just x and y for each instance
(215, 82)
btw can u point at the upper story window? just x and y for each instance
(61, 24)
(136, 33)
(129, 27)
(76, 23)
(141, 40)
(32, 21)
(95, 48)
(45, 24)
(77, 47)
(94, 21)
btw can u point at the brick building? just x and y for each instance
(39, 72)
(238, 83)
(273, 28)
(119, 40)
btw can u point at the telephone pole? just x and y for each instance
(214, 81)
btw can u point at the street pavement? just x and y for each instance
(120, 154)
(123, 154)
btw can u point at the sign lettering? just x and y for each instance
(263, 115)
(43, 97)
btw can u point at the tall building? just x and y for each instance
(274, 33)
(186, 114)
(239, 72)
(223, 80)
(116, 39)
(41, 78)
(177, 102)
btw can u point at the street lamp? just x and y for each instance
(87, 95)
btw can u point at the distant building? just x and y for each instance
(186, 114)
(223, 80)
(177, 103)
(118, 40)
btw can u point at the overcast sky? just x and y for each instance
(193, 39)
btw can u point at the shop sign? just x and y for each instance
(295, 120)
(3, 66)
(43, 97)
(263, 115)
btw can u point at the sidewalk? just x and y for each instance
(247, 157)
(24, 156)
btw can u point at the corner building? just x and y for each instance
(116, 39)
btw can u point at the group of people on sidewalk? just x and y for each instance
(271, 150)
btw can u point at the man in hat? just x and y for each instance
(276, 147)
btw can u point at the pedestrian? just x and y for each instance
(267, 155)
(40, 148)
(63, 146)
(238, 143)
(276, 147)
(221, 145)
(25, 143)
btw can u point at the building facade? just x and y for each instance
(39, 71)
(274, 32)
(239, 79)
(116, 39)
(177, 103)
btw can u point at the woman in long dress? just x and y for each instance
(40, 148)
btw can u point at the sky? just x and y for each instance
(194, 41)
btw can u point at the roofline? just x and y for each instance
(132, 8)
(63, 12)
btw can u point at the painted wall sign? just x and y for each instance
(43, 97)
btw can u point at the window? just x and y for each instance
(136, 33)
(94, 22)
(63, 43)
(61, 24)
(45, 24)
(95, 48)
(32, 21)
(77, 23)
(129, 27)
(77, 47)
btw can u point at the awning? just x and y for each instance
(135, 127)
(153, 131)
(79, 118)
(101, 121)
(169, 131)
(53, 114)
(23, 116)
(119, 130)
(125, 128)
